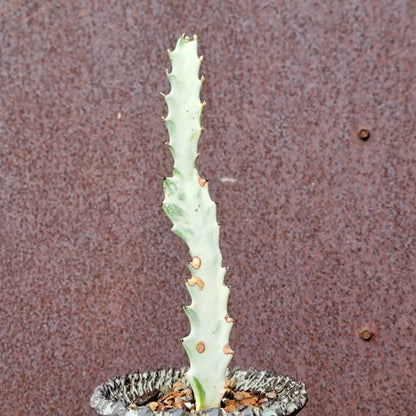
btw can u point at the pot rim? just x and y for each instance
(113, 397)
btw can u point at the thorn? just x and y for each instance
(201, 58)
(183, 36)
(202, 79)
(167, 144)
(202, 182)
(202, 129)
(227, 349)
(163, 95)
(196, 38)
(203, 104)
(187, 38)
(163, 119)
(167, 73)
(169, 52)
(228, 319)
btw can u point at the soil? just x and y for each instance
(180, 396)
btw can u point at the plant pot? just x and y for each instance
(114, 397)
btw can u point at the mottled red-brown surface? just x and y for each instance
(318, 226)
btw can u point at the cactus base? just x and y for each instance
(113, 397)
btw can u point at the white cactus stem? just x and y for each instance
(189, 206)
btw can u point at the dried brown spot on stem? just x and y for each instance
(194, 280)
(196, 262)
(200, 347)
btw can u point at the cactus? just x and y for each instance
(188, 205)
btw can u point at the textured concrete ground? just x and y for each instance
(318, 226)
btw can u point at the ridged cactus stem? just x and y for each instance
(188, 205)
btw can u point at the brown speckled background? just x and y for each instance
(318, 227)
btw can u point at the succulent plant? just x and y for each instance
(188, 205)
